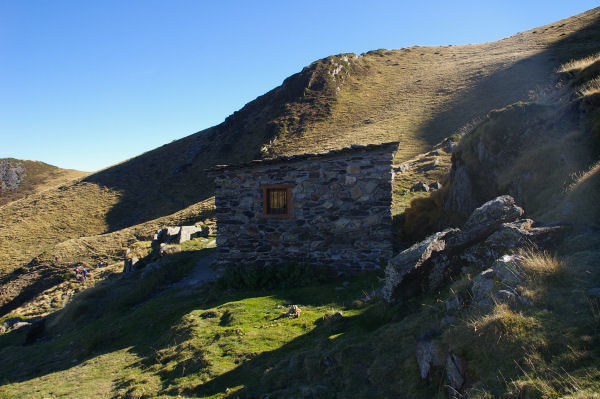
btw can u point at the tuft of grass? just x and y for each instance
(579, 64)
(591, 87)
(540, 267)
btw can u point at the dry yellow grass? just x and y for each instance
(579, 64)
(591, 87)
(419, 95)
(36, 223)
(540, 266)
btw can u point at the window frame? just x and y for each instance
(288, 200)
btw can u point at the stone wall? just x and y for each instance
(341, 210)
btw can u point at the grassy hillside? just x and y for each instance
(31, 177)
(147, 337)
(417, 95)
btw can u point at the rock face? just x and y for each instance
(338, 210)
(11, 175)
(493, 230)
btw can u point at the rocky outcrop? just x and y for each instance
(11, 175)
(493, 230)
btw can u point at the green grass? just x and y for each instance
(220, 343)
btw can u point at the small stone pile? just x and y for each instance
(179, 234)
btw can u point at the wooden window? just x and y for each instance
(277, 200)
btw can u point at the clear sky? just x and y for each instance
(86, 84)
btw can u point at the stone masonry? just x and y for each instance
(340, 210)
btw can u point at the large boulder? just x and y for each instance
(493, 230)
(411, 260)
(485, 220)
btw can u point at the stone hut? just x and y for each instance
(331, 209)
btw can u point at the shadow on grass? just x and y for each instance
(102, 319)
(129, 314)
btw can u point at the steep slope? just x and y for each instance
(415, 95)
(20, 178)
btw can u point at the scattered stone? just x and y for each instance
(456, 369)
(403, 168)
(505, 296)
(333, 317)
(293, 312)
(420, 186)
(13, 323)
(169, 249)
(209, 314)
(129, 264)
(179, 234)
(429, 354)
(436, 185)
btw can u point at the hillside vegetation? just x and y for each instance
(536, 136)
(20, 178)
(417, 95)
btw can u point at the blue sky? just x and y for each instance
(86, 84)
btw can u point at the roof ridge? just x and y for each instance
(303, 156)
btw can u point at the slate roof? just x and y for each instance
(393, 146)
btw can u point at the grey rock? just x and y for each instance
(149, 269)
(456, 369)
(293, 312)
(507, 269)
(187, 233)
(11, 175)
(20, 324)
(429, 354)
(13, 323)
(410, 260)
(505, 296)
(486, 219)
(436, 185)
(420, 186)
(482, 285)
(460, 200)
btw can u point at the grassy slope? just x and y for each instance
(39, 177)
(372, 350)
(119, 341)
(417, 95)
